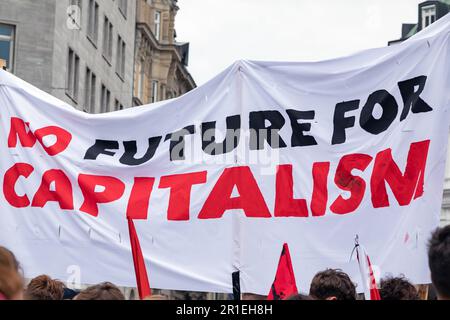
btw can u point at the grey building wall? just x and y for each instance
(42, 41)
(92, 55)
(34, 23)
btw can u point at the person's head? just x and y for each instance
(102, 291)
(11, 281)
(332, 284)
(157, 297)
(300, 296)
(252, 296)
(44, 288)
(439, 261)
(8, 258)
(397, 288)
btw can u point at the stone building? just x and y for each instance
(80, 51)
(160, 61)
(429, 12)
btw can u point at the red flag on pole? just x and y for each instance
(284, 284)
(374, 293)
(369, 283)
(139, 263)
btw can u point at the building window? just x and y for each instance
(107, 39)
(120, 63)
(154, 91)
(157, 25)
(140, 80)
(7, 46)
(89, 88)
(105, 99)
(123, 5)
(428, 15)
(92, 29)
(163, 92)
(117, 105)
(73, 66)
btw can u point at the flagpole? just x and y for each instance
(367, 275)
(236, 286)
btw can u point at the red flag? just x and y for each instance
(374, 293)
(369, 283)
(284, 284)
(139, 263)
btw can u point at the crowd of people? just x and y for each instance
(330, 284)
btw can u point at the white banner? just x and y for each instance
(266, 153)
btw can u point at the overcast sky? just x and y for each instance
(223, 31)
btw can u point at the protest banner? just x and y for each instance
(217, 180)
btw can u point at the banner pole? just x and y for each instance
(236, 286)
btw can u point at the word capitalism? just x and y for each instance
(406, 184)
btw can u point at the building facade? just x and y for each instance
(80, 51)
(160, 61)
(83, 52)
(429, 12)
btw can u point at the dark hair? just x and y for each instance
(44, 288)
(300, 296)
(439, 261)
(332, 283)
(101, 291)
(397, 288)
(252, 296)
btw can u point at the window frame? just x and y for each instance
(90, 90)
(155, 84)
(107, 46)
(429, 14)
(73, 75)
(141, 77)
(92, 22)
(123, 7)
(158, 25)
(105, 99)
(117, 105)
(12, 46)
(120, 57)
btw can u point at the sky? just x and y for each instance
(223, 31)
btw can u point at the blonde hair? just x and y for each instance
(157, 297)
(11, 282)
